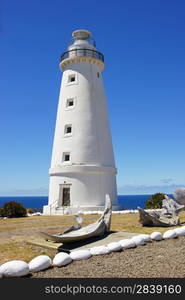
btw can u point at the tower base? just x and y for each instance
(59, 211)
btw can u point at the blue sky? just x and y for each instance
(143, 43)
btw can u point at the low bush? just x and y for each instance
(30, 211)
(13, 209)
(155, 201)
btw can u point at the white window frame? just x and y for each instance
(67, 134)
(63, 157)
(72, 106)
(73, 82)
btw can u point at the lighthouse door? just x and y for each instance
(64, 195)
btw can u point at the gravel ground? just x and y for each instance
(157, 259)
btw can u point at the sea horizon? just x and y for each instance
(37, 202)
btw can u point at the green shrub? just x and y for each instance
(13, 209)
(30, 211)
(1, 212)
(155, 201)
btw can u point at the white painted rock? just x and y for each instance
(40, 263)
(99, 250)
(114, 246)
(156, 236)
(61, 259)
(169, 234)
(14, 268)
(127, 243)
(80, 254)
(138, 240)
(180, 231)
(146, 237)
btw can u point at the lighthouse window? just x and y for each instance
(71, 78)
(70, 103)
(98, 74)
(66, 157)
(68, 129)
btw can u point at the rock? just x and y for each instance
(156, 236)
(61, 259)
(40, 263)
(180, 231)
(138, 240)
(114, 246)
(169, 234)
(170, 207)
(127, 243)
(14, 268)
(146, 237)
(156, 219)
(80, 254)
(99, 250)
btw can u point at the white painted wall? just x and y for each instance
(86, 189)
(91, 170)
(90, 142)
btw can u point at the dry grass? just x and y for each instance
(15, 232)
(34, 222)
(130, 223)
(15, 251)
(21, 251)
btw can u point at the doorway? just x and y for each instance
(64, 197)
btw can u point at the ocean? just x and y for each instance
(36, 203)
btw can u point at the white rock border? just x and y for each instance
(114, 246)
(170, 234)
(99, 250)
(180, 231)
(156, 236)
(62, 258)
(14, 268)
(40, 263)
(127, 244)
(80, 254)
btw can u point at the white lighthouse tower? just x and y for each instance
(82, 167)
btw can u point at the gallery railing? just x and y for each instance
(82, 52)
